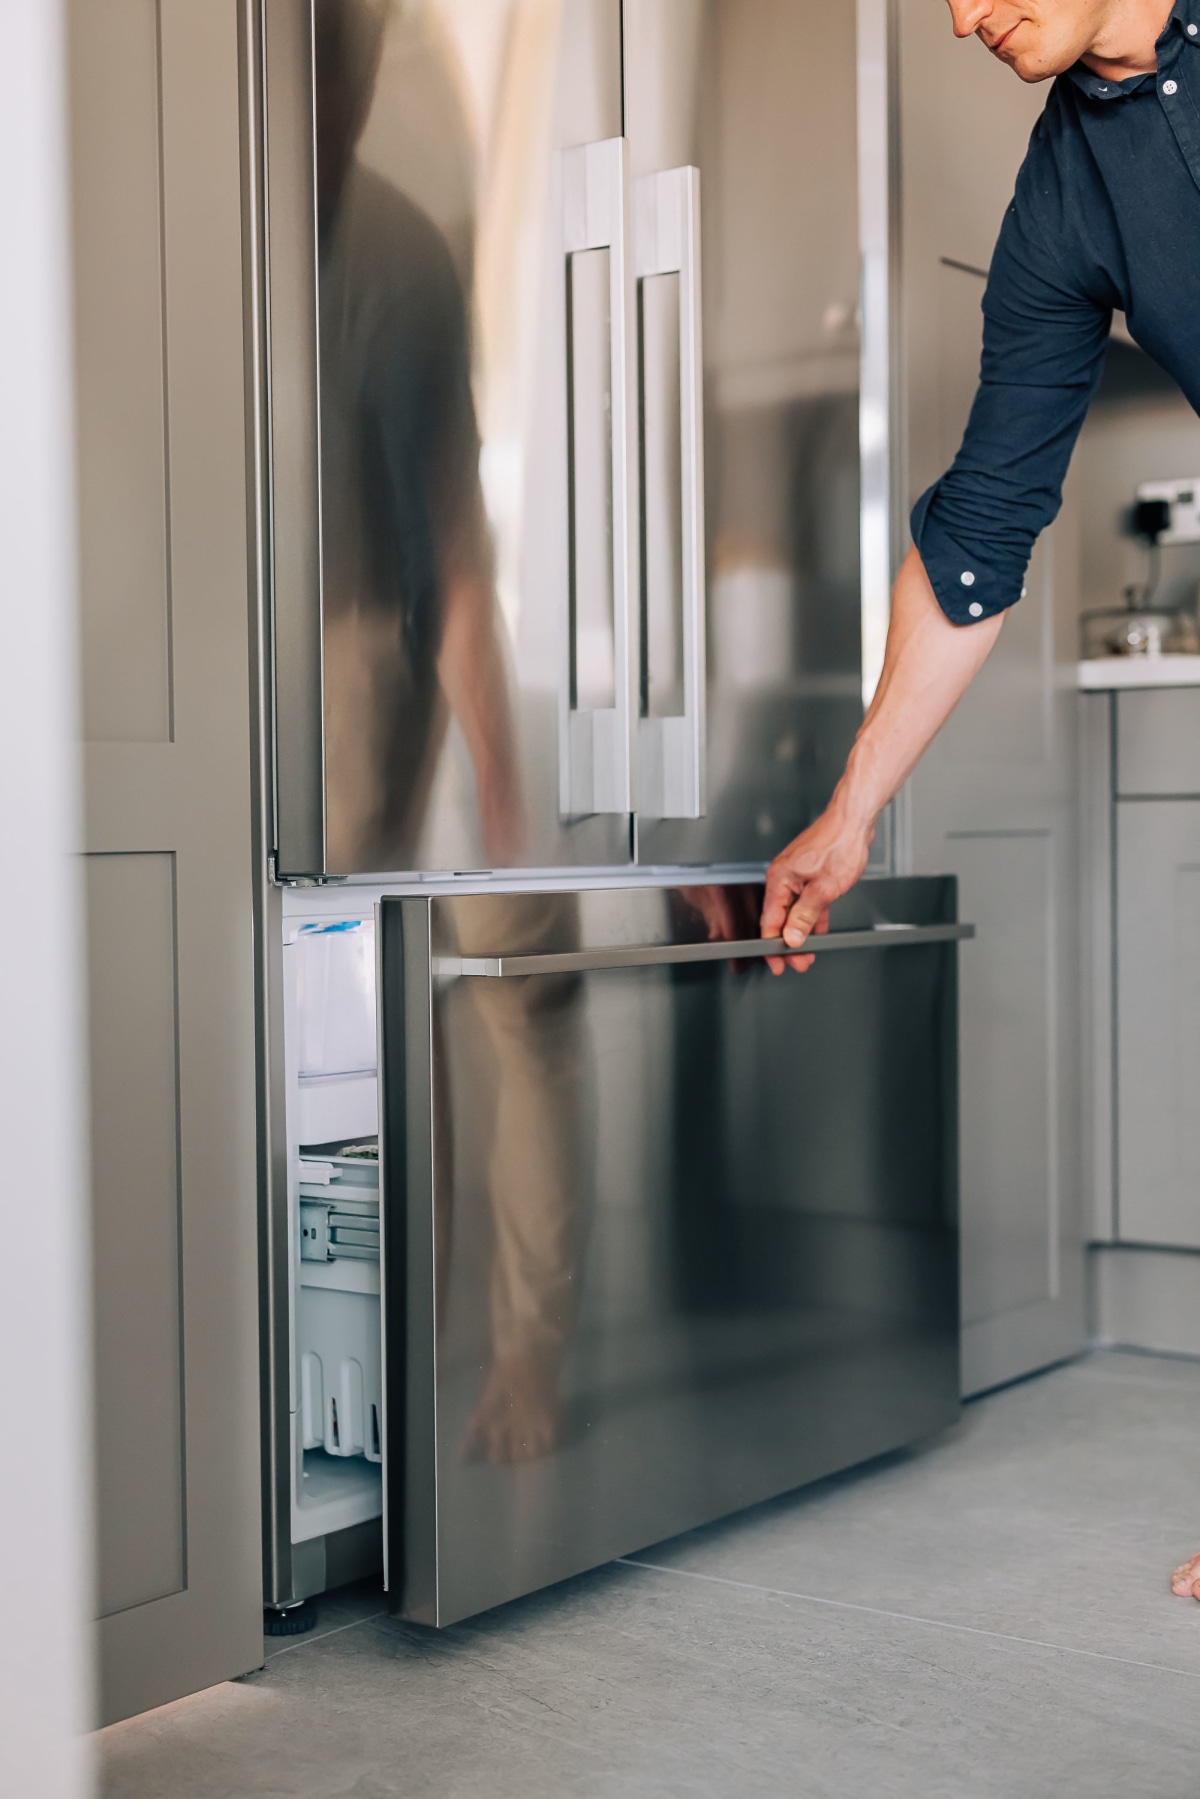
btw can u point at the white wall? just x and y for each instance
(45, 1526)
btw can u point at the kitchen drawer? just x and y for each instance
(1158, 743)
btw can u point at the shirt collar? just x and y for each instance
(1174, 35)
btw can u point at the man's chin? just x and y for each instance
(1030, 69)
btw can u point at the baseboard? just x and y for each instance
(1145, 1298)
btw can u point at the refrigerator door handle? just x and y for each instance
(661, 955)
(596, 702)
(671, 750)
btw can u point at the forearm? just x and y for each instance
(928, 666)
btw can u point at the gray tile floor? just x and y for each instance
(986, 1616)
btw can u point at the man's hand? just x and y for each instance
(928, 666)
(804, 880)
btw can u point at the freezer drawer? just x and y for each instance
(663, 1236)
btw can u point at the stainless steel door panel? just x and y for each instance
(661, 1240)
(760, 97)
(417, 317)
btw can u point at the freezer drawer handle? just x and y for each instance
(659, 955)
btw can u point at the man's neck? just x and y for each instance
(1125, 43)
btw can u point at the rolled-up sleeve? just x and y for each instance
(1044, 337)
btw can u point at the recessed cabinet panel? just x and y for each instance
(135, 1175)
(1158, 742)
(116, 174)
(1010, 1199)
(1158, 1021)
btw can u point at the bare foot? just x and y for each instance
(517, 1417)
(1186, 1580)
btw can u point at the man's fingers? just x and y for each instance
(780, 893)
(809, 912)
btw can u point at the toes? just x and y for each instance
(1186, 1577)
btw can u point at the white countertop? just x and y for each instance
(1108, 672)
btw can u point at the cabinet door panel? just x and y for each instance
(1158, 743)
(163, 602)
(1158, 1022)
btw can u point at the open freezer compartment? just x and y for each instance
(664, 1236)
(336, 1372)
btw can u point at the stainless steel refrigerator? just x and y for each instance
(570, 404)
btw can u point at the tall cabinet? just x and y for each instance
(994, 799)
(1142, 811)
(166, 681)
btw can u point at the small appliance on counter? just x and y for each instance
(1138, 628)
(1164, 514)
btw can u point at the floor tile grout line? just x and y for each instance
(875, 1611)
(320, 1636)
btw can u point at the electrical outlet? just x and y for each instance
(1183, 497)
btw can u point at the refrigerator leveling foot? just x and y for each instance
(289, 1620)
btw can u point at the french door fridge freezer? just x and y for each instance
(571, 404)
(573, 419)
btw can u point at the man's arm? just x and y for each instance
(1047, 311)
(928, 666)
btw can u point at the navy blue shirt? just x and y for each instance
(1106, 216)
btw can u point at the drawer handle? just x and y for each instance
(661, 955)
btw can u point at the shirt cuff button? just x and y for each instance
(975, 609)
(967, 578)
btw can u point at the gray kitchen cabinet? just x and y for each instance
(1141, 934)
(1158, 1020)
(993, 800)
(168, 868)
(1158, 743)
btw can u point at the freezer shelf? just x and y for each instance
(335, 1495)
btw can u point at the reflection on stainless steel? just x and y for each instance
(716, 85)
(411, 626)
(588, 328)
(443, 132)
(510, 1088)
(688, 1233)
